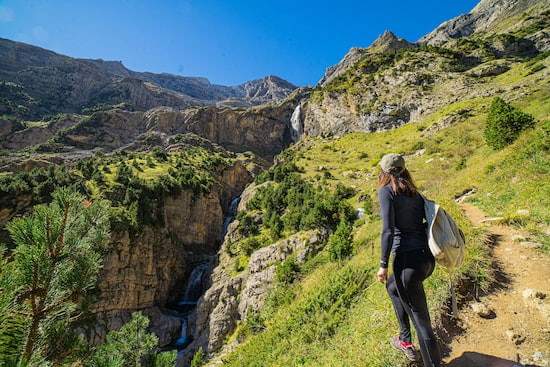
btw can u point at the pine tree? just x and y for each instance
(340, 243)
(131, 346)
(49, 275)
(505, 123)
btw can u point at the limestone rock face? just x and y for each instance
(482, 18)
(264, 131)
(14, 136)
(146, 269)
(230, 298)
(143, 267)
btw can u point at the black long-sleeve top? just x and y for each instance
(403, 225)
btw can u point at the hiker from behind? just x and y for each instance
(404, 235)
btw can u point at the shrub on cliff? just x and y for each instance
(340, 244)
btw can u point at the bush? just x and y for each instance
(198, 358)
(340, 243)
(505, 123)
(287, 271)
(131, 346)
(159, 154)
(250, 244)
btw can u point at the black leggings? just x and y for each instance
(407, 295)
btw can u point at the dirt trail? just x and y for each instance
(517, 331)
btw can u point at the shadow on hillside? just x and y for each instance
(501, 280)
(473, 359)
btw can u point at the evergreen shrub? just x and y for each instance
(505, 123)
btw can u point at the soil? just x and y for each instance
(515, 330)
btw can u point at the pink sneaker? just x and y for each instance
(405, 347)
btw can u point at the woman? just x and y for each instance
(404, 235)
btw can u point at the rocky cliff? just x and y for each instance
(231, 297)
(146, 270)
(488, 18)
(264, 130)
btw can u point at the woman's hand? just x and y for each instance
(382, 275)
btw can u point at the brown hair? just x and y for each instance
(401, 184)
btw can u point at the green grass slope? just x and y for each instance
(334, 313)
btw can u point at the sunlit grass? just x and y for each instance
(445, 163)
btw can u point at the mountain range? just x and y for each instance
(37, 82)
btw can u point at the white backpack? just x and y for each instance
(445, 239)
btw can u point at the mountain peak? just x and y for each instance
(389, 42)
(92, 85)
(386, 42)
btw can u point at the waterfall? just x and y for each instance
(232, 211)
(296, 123)
(188, 301)
(182, 340)
(193, 290)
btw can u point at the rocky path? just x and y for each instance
(510, 327)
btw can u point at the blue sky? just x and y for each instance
(229, 42)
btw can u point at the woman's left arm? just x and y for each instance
(387, 214)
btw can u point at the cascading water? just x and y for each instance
(195, 287)
(193, 291)
(232, 211)
(183, 339)
(296, 123)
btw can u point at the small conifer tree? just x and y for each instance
(340, 243)
(505, 123)
(48, 277)
(131, 346)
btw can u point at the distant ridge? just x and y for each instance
(36, 82)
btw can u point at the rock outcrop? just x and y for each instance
(378, 88)
(485, 18)
(231, 298)
(264, 131)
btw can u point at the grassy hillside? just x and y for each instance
(333, 313)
